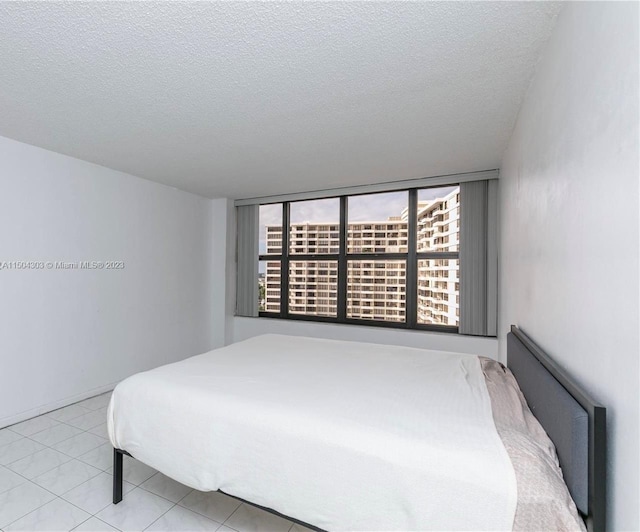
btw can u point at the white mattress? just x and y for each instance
(341, 435)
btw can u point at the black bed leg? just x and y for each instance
(117, 476)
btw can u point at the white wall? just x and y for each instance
(65, 335)
(569, 223)
(244, 328)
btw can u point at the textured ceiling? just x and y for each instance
(250, 99)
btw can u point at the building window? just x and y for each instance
(388, 259)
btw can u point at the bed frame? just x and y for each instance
(576, 424)
(573, 420)
(118, 463)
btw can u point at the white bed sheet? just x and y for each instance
(341, 435)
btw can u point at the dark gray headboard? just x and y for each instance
(575, 423)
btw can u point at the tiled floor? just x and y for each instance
(56, 474)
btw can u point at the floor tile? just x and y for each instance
(80, 444)
(90, 420)
(54, 435)
(57, 515)
(100, 430)
(31, 426)
(18, 449)
(8, 436)
(38, 463)
(9, 479)
(211, 504)
(67, 476)
(134, 471)
(19, 501)
(77, 467)
(179, 519)
(68, 412)
(166, 487)
(136, 511)
(248, 518)
(94, 525)
(96, 403)
(95, 494)
(100, 457)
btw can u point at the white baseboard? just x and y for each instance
(50, 407)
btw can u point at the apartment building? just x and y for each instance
(438, 279)
(375, 287)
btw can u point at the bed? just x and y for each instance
(356, 436)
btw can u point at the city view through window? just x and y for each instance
(376, 253)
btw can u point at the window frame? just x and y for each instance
(411, 258)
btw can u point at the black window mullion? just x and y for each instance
(376, 256)
(284, 268)
(437, 255)
(411, 287)
(323, 256)
(342, 261)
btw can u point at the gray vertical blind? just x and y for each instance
(247, 256)
(492, 258)
(478, 258)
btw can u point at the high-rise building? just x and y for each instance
(376, 288)
(438, 279)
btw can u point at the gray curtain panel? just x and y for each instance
(247, 257)
(478, 258)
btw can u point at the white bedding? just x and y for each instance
(341, 435)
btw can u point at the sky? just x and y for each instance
(366, 207)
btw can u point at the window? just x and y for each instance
(270, 243)
(385, 258)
